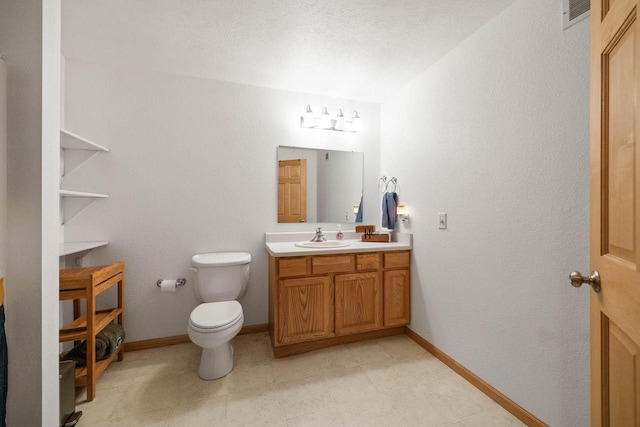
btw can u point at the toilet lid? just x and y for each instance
(213, 315)
(220, 259)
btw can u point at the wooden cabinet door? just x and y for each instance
(358, 302)
(397, 298)
(305, 309)
(615, 213)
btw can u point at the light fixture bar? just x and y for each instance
(325, 122)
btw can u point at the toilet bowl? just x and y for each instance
(213, 326)
(220, 278)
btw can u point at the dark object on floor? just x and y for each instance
(4, 367)
(68, 415)
(107, 342)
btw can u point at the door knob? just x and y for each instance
(593, 280)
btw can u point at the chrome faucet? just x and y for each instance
(319, 237)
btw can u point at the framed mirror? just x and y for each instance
(319, 185)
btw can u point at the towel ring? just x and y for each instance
(393, 181)
(384, 187)
(382, 184)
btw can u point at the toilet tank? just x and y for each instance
(220, 276)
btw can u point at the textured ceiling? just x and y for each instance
(355, 49)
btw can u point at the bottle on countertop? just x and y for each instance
(339, 235)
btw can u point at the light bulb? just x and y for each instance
(356, 123)
(403, 213)
(308, 120)
(325, 119)
(340, 120)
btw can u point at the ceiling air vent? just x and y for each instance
(574, 11)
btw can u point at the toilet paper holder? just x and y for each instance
(179, 282)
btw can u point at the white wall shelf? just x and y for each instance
(75, 202)
(69, 248)
(75, 151)
(71, 141)
(82, 194)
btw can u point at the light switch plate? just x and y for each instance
(442, 221)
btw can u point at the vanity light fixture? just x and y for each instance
(325, 119)
(309, 120)
(403, 213)
(356, 208)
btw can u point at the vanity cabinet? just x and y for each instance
(317, 301)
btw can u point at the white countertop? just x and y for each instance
(283, 243)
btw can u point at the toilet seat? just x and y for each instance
(215, 316)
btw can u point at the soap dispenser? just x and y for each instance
(339, 235)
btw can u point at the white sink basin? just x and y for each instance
(327, 244)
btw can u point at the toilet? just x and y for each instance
(220, 279)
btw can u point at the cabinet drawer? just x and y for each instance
(397, 259)
(290, 267)
(368, 261)
(333, 264)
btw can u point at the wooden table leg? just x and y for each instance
(91, 343)
(121, 315)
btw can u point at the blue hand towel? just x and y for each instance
(359, 214)
(389, 202)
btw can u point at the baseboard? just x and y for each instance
(155, 343)
(518, 411)
(254, 329)
(302, 347)
(183, 339)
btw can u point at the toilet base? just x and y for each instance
(216, 362)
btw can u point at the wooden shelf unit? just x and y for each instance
(100, 366)
(86, 283)
(77, 330)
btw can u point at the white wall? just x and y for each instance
(30, 45)
(192, 168)
(50, 165)
(496, 135)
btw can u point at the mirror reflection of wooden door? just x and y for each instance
(292, 190)
(615, 213)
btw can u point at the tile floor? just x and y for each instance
(385, 382)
